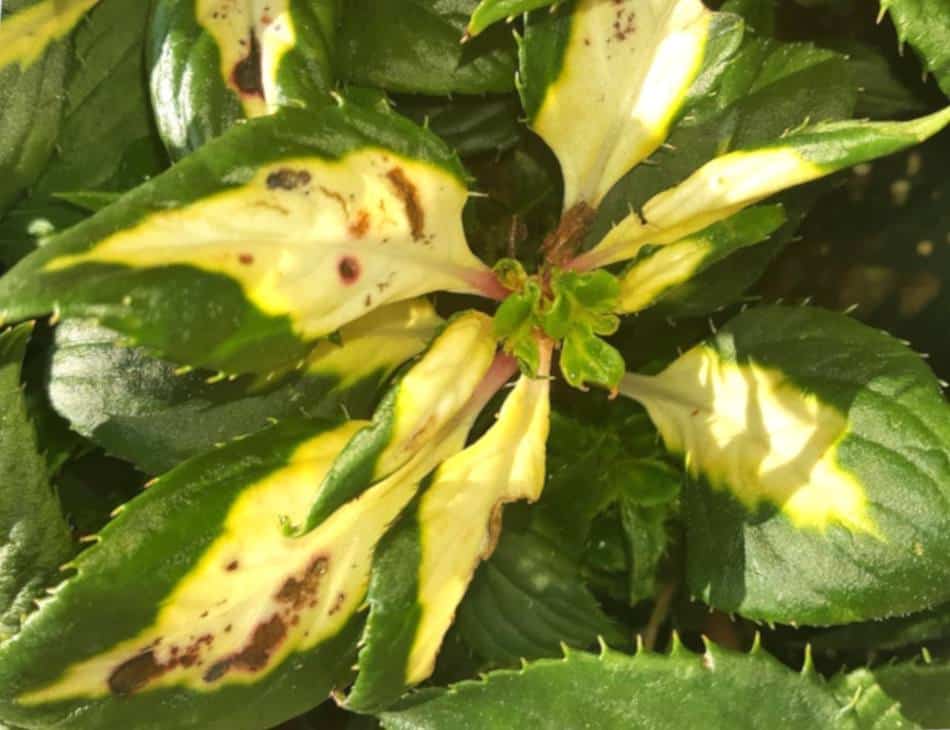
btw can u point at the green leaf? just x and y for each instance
(212, 66)
(925, 24)
(881, 92)
(588, 466)
(921, 689)
(515, 322)
(628, 66)
(872, 707)
(34, 538)
(470, 126)
(895, 633)
(413, 46)
(203, 263)
(585, 358)
(527, 600)
(425, 569)
(719, 689)
(145, 411)
(490, 12)
(234, 614)
(812, 440)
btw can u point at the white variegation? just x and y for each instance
(626, 72)
(460, 514)
(749, 430)
(320, 241)
(26, 35)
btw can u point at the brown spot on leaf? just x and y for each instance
(337, 603)
(409, 196)
(217, 670)
(360, 226)
(349, 269)
(246, 75)
(135, 673)
(246, 259)
(266, 637)
(287, 179)
(297, 592)
(232, 566)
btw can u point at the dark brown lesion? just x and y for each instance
(287, 179)
(348, 268)
(134, 674)
(409, 195)
(247, 76)
(562, 244)
(300, 592)
(265, 639)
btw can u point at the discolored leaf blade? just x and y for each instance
(272, 237)
(819, 451)
(236, 615)
(602, 83)
(732, 182)
(145, 411)
(427, 565)
(214, 63)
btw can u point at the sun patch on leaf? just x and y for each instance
(748, 429)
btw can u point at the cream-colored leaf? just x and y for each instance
(376, 342)
(747, 429)
(717, 190)
(460, 514)
(320, 241)
(625, 74)
(438, 387)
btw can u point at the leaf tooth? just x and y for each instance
(808, 665)
(677, 647)
(756, 644)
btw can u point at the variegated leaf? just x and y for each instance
(215, 62)
(34, 50)
(603, 82)
(428, 561)
(458, 368)
(658, 270)
(195, 596)
(144, 410)
(819, 451)
(266, 240)
(734, 181)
